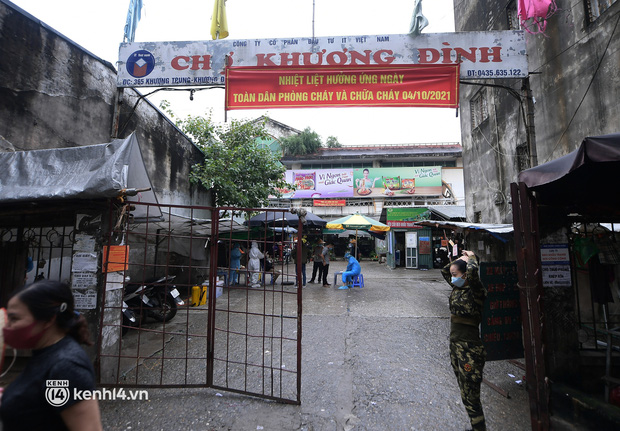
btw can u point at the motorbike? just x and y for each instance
(155, 298)
(129, 318)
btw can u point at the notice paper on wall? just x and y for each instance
(85, 299)
(84, 262)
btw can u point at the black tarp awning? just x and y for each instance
(100, 171)
(584, 181)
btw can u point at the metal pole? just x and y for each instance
(530, 127)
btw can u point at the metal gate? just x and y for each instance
(244, 337)
(527, 243)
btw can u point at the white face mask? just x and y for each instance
(458, 281)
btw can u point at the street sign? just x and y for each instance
(483, 55)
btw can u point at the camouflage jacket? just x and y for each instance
(468, 301)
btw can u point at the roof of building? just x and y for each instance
(453, 149)
(276, 123)
(449, 212)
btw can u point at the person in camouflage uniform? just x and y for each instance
(467, 353)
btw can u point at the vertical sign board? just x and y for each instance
(425, 245)
(501, 319)
(555, 261)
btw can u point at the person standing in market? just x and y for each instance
(304, 259)
(325, 256)
(317, 258)
(254, 257)
(235, 264)
(467, 353)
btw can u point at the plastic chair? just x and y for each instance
(358, 281)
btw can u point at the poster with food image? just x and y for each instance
(305, 180)
(322, 183)
(420, 181)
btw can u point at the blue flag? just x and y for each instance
(133, 16)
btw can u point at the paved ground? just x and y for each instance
(373, 359)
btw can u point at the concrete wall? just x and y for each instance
(563, 68)
(55, 94)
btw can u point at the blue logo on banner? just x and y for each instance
(140, 64)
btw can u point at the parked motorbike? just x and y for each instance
(129, 318)
(155, 298)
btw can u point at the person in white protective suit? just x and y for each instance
(254, 257)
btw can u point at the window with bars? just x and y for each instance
(597, 7)
(512, 15)
(523, 157)
(479, 109)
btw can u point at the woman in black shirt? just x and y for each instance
(46, 395)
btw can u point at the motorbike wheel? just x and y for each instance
(168, 308)
(126, 325)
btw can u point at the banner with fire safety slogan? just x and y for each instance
(419, 85)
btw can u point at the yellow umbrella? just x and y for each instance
(219, 26)
(358, 222)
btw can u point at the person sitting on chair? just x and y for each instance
(270, 268)
(353, 269)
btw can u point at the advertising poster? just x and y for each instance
(419, 181)
(319, 184)
(367, 182)
(406, 217)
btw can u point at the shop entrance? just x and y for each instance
(411, 250)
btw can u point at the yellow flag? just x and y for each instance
(219, 26)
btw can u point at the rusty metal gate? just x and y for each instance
(238, 330)
(527, 243)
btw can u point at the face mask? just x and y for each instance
(458, 281)
(22, 338)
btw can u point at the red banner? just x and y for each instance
(418, 85)
(330, 202)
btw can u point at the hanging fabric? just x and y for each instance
(537, 12)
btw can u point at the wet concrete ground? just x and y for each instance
(373, 359)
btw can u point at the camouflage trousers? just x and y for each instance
(467, 359)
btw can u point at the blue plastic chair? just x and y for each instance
(358, 281)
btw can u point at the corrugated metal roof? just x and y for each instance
(449, 212)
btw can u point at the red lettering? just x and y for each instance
(377, 57)
(471, 55)
(340, 61)
(495, 52)
(434, 55)
(357, 58)
(176, 62)
(446, 54)
(204, 60)
(308, 58)
(265, 59)
(291, 59)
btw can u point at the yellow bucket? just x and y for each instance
(195, 296)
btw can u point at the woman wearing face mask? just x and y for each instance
(467, 353)
(41, 317)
